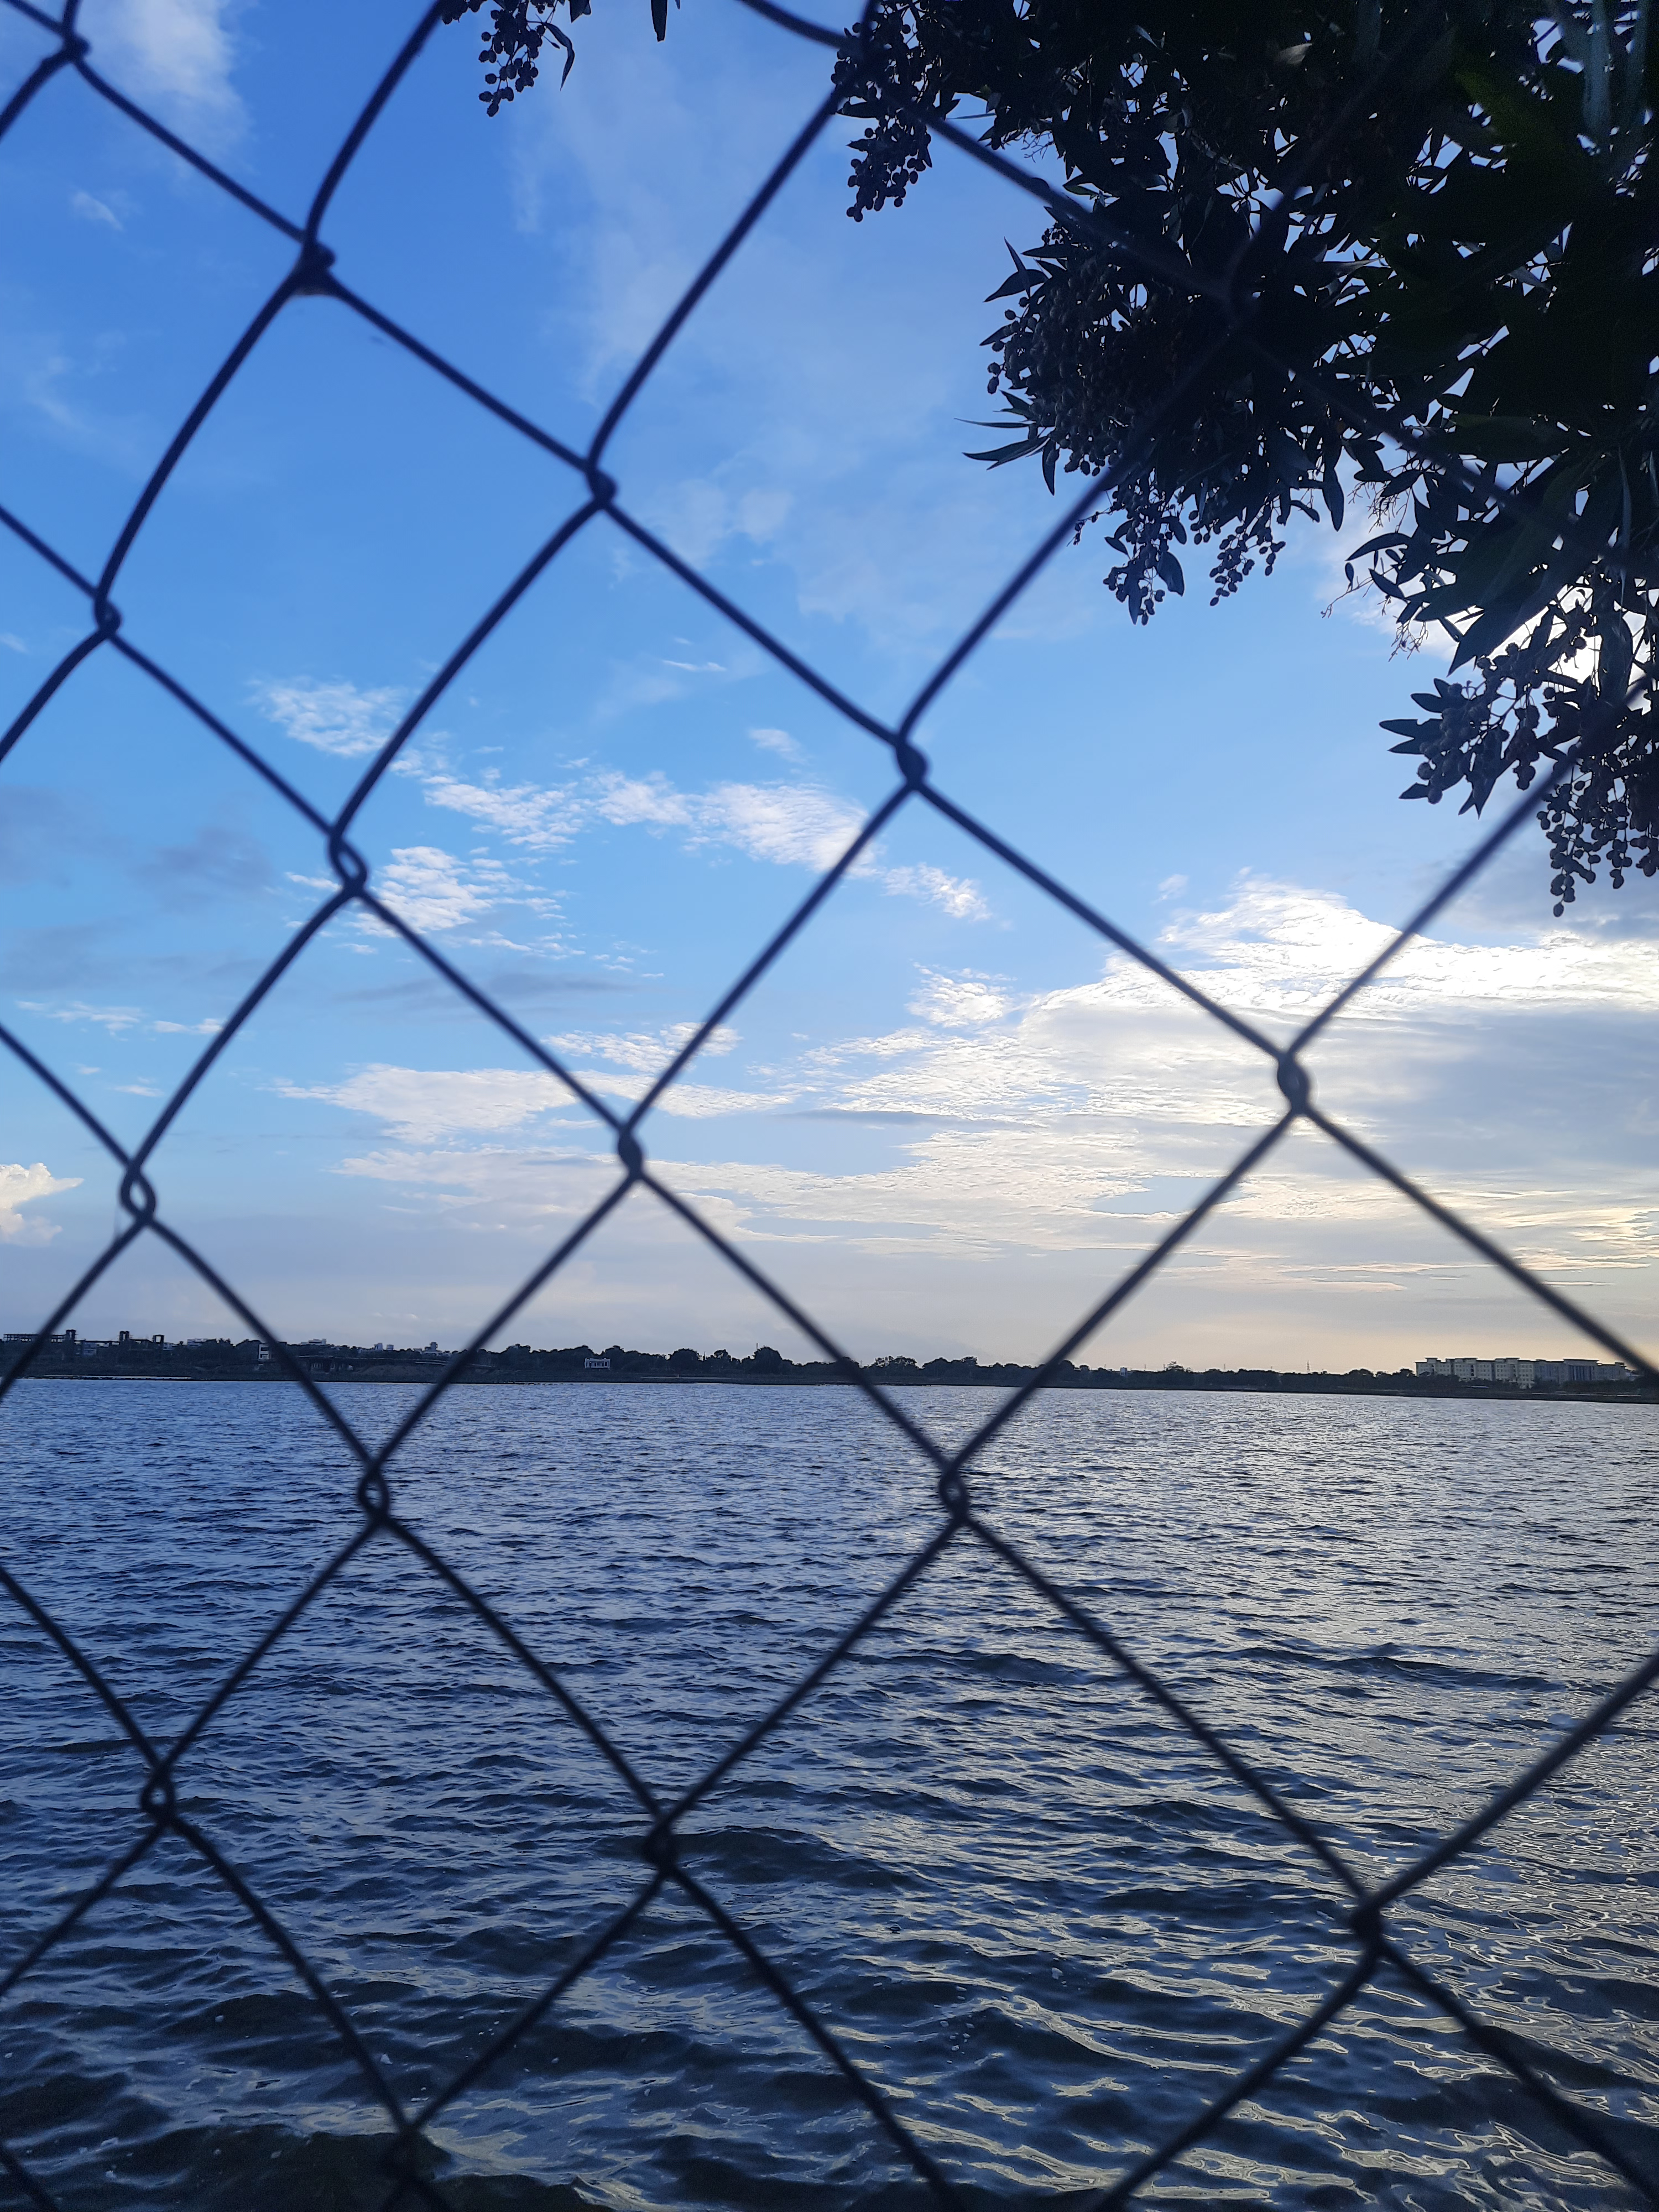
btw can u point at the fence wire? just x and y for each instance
(1376, 1943)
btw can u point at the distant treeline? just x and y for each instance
(219, 1359)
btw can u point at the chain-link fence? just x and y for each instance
(68, 69)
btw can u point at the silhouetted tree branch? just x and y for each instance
(1416, 236)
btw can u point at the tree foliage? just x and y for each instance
(518, 30)
(1327, 248)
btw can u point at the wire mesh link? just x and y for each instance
(1376, 1944)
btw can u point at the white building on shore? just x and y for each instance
(1528, 1372)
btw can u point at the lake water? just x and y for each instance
(1035, 1910)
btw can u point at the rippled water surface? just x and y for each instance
(1037, 1914)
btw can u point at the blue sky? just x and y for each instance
(950, 1117)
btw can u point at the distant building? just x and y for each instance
(596, 1360)
(1525, 1373)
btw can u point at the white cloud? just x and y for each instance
(115, 1019)
(1281, 951)
(12, 644)
(118, 1020)
(792, 826)
(1083, 1120)
(643, 1056)
(530, 1185)
(431, 890)
(1033, 1147)
(539, 819)
(95, 211)
(1086, 1119)
(174, 51)
(336, 718)
(422, 1104)
(778, 741)
(699, 515)
(787, 825)
(695, 1102)
(653, 799)
(643, 1052)
(961, 898)
(18, 1186)
(964, 1001)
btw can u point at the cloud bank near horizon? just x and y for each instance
(1060, 1133)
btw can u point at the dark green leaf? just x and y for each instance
(1017, 451)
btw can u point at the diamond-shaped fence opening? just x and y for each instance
(1379, 1965)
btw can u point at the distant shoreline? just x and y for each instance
(71, 1357)
(1252, 1382)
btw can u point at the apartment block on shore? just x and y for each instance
(1526, 1374)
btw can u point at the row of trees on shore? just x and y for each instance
(222, 1359)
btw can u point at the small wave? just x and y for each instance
(274, 2169)
(1385, 1663)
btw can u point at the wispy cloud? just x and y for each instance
(964, 1000)
(796, 825)
(693, 1102)
(19, 1185)
(636, 1059)
(95, 211)
(787, 825)
(59, 379)
(424, 1106)
(420, 1105)
(778, 741)
(115, 1019)
(119, 1021)
(700, 515)
(643, 1052)
(792, 826)
(177, 53)
(432, 890)
(959, 896)
(338, 717)
(539, 819)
